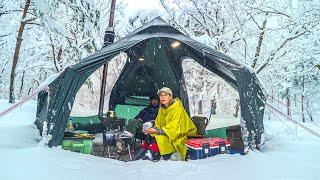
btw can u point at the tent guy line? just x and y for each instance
(24, 100)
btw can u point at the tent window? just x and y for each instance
(88, 97)
(208, 93)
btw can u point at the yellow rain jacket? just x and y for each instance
(177, 125)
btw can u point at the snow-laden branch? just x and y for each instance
(173, 18)
(273, 53)
(269, 10)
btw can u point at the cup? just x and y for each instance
(111, 114)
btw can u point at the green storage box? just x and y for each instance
(81, 145)
(220, 132)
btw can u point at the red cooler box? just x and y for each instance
(206, 147)
(219, 146)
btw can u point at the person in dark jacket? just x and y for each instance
(145, 115)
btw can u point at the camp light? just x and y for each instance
(175, 44)
(141, 59)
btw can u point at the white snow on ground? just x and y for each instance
(296, 116)
(289, 153)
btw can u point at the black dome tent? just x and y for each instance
(155, 53)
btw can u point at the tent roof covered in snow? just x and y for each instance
(155, 54)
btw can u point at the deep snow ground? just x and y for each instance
(289, 153)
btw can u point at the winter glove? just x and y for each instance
(160, 131)
(150, 131)
(147, 125)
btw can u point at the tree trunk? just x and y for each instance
(302, 101)
(288, 102)
(17, 51)
(309, 110)
(213, 106)
(245, 50)
(236, 114)
(56, 58)
(194, 105)
(22, 83)
(4, 67)
(258, 49)
(29, 91)
(200, 107)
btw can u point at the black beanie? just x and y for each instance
(153, 97)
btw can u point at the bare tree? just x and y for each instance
(288, 96)
(57, 56)
(302, 100)
(261, 37)
(23, 23)
(275, 52)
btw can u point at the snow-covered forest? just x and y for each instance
(278, 39)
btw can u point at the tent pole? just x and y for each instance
(108, 39)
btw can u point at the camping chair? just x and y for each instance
(129, 112)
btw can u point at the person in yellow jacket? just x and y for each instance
(172, 126)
